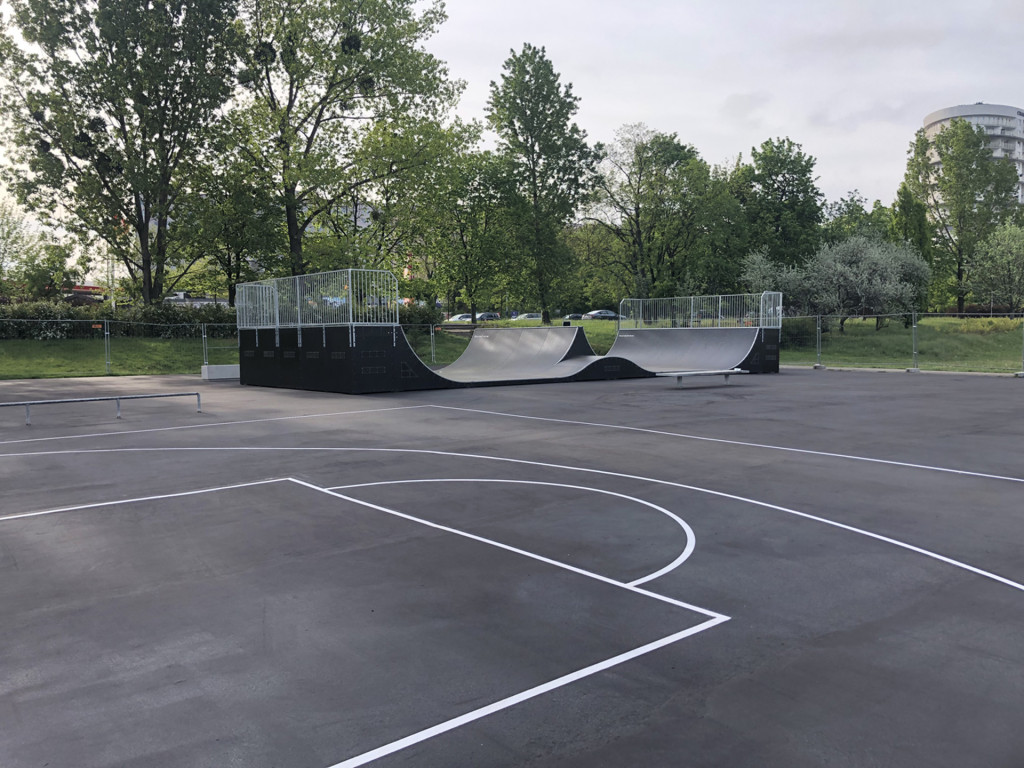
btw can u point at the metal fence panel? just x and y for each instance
(763, 310)
(342, 297)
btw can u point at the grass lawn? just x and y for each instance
(943, 344)
(58, 358)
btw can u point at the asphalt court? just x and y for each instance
(802, 569)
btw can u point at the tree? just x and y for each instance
(18, 243)
(860, 276)
(110, 104)
(49, 274)
(999, 274)
(782, 201)
(967, 193)
(849, 216)
(317, 73)
(547, 157)
(909, 223)
(671, 214)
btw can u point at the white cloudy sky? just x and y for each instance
(849, 80)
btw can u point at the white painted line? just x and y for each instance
(117, 502)
(213, 424)
(511, 701)
(691, 537)
(762, 446)
(506, 547)
(548, 465)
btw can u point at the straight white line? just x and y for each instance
(511, 701)
(603, 472)
(213, 424)
(763, 446)
(691, 537)
(515, 550)
(140, 498)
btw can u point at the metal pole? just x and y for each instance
(915, 369)
(818, 366)
(1020, 375)
(432, 360)
(206, 357)
(106, 344)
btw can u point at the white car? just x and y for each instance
(530, 316)
(466, 317)
(600, 314)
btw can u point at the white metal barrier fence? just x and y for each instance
(343, 297)
(761, 310)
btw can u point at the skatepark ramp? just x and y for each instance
(338, 332)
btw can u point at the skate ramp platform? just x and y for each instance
(665, 351)
(374, 359)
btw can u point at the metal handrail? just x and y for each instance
(118, 398)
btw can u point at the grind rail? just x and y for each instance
(118, 398)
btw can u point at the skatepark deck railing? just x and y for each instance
(761, 310)
(342, 297)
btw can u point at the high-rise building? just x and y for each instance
(1004, 126)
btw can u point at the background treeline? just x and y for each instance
(195, 144)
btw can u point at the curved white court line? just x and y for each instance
(568, 468)
(723, 441)
(644, 430)
(691, 538)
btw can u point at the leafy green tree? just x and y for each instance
(232, 228)
(317, 75)
(967, 193)
(110, 104)
(18, 243)
(999, 272)
(49, 273)
(909, 223)
(862, 275)
(547, 157)
(782, 201)
(850, 216)
(672, 215)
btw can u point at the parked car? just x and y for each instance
(481, 316)
(465, 317)
(530, 316)
(573, 316)
(600, 314)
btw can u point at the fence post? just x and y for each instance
(818, 366)
(106, 344)
(432, 361)
(1020, 374)
(206, 360)
(913, 325)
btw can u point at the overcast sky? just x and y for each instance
(849, 80)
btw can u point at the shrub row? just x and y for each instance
(46, 320)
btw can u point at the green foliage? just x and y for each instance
(110, 105)
(419, 314)
(317, 75)
(673, 219)
(547, 159)
(849, 216)
(999, 270)
(782, 201)
(967, 193)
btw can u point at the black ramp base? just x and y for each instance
(372, 359)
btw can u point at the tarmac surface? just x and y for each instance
(803, 569)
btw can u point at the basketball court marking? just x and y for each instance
(713, 618)
(691, 538)
(566, 467)
(740, 443)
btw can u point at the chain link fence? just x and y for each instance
(927, 342)
(59, 348)
(918, 341)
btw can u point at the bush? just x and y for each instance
(414, 314)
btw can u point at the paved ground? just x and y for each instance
(803, 569)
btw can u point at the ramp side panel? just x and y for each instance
(380, 361)
(686, 349)
(518, 354)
